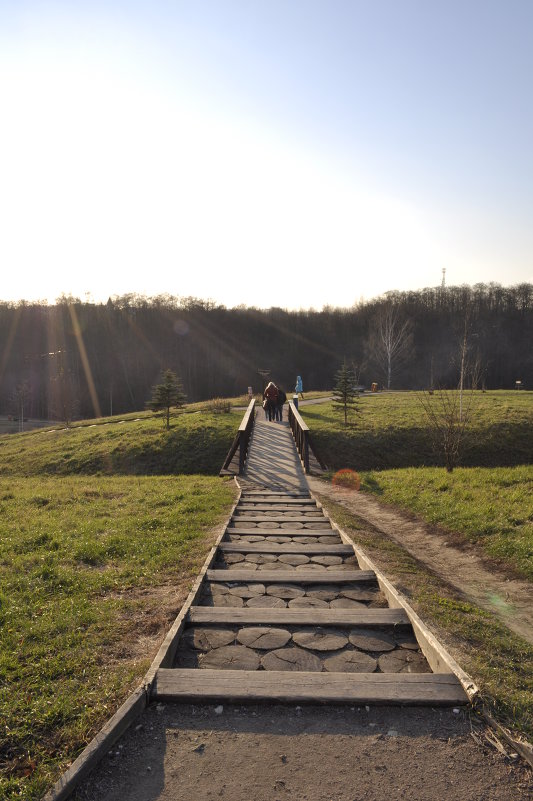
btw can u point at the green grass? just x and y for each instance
(500, 662)
(197, 442)
(492, 507)
(391, 431)
(489, 502)
(82, 562)
(98, 523)
(103, 528)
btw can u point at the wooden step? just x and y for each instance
(341, 618)
(276, 507)
(181, 684)
(292, 576)
(289, 502)
(276, 493)
(283, 532)
(270, 518)
(286, 547)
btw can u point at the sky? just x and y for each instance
(292, 153)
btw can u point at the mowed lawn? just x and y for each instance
(93, 568)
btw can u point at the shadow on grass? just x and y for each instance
(370, 483)
(176, 452)
(500, 445)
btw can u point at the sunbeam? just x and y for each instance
(84, 360)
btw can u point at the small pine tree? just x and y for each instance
(169, 394)
(345, 395)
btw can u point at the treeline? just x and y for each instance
(82, 359)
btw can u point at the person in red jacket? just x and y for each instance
(270, 395)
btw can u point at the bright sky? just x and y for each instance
(290, 153)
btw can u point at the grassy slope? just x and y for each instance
(391, 432)
(492, 507)
(489, 503)
(83, 562)
(196, 443)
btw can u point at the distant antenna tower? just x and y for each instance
(443, 283)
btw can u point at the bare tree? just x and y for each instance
(471, 366)
(21, 397)
(477, 372)
(390, 339)
(448, 415)
(65, 402)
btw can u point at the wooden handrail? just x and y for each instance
(242, 439)
(300, 432)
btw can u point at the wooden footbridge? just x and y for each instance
(287, 608)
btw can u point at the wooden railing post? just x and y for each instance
(300, 432)
(242, 440)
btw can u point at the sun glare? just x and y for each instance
(110, 185)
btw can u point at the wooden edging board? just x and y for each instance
(139, 699)
(439, 659)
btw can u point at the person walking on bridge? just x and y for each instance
(270, 395)
(282, 397)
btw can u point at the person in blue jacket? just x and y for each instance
(299, 389)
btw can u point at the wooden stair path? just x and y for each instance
(295, 620)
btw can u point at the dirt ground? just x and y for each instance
(330, 753)
(258, 753)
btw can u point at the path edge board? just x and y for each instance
(438, 657)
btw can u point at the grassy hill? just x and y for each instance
(391, 431)
(103, 528)
(489, 500)
(489, 503)
(197, 442)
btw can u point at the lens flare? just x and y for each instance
(347, 478)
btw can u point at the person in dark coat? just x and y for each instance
(282, 397)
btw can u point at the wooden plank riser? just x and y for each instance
(293, 576)
(247, 518)
(283, 532)
(302, 687)
(341, 618)
(289, 548)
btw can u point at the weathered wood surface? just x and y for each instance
(293, 547)
(291, 659)
(441, 689)
(264, 638)
(293, 576)
(274, 508)
(345, 618)
(285, 532)
(320, 640)
(267, 504)
(230, 657)
(271, 518)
